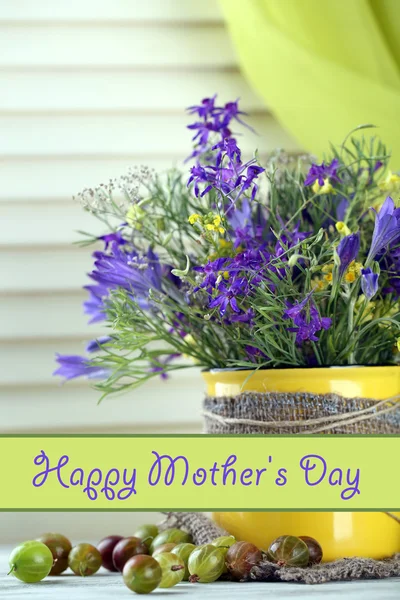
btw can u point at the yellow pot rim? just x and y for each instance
(380, 369)
(374, 382)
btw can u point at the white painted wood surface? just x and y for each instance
(89, 88)
(107, 585)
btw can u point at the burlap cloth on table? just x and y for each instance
(204, 530)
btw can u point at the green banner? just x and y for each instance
(199, 473)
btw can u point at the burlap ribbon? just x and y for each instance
(300, 413)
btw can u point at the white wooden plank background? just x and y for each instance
(88, 88)
(112, 10)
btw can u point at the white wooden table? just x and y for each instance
(110, 586)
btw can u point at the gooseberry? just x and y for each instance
(84, 560)
(314, 549)
(164, 548)
(106, 547)
(146, 533)
(172, 567)
(289, 551)
(241, 558)
(142, 574)
(224, 542)
(206, 564)
(31, 561)
(183, 551)
(170, 535)
(60, 547)
(126, 549)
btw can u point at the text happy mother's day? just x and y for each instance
(166, 470)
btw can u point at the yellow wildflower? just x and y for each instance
(349, 277)
(353, 271)
(194, 218)
(323, 189)
(217, 221)
(212, 227)
(342, 228)
(398, 344)
(327, 268)
(391, 183)
(318, 284)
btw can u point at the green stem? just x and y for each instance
(350, 325)
(13, 568)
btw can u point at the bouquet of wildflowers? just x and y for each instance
(239, 264)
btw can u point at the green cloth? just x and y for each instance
(323, 66)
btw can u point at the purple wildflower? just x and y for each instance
(306, 319)
(95, 345)
(231, 112)
(247, 181)
(294, 310)
(109, 238)
(227, 296)
(96, 305)
(159, 365)
(289, 237)
(198, 175)
(121, 268)
(369, 283)
(211, 271)
(72, 366)
(387, 228)
(321, 172)
(253, 353)
(348, 250)
(226, 179)
(244, 317)
(229, 148)
(204, 109)
(341, 208)
(128, 270)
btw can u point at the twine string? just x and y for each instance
(327, 423)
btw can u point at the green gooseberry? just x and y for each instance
(31, 562)
(183, 551)
(146, 533)
(178, 536)
(172, 567)
(206, 564)
(164, 548)
(60, 547)
(84, 560)
(142, 574)
(289, 551)
(224, 542)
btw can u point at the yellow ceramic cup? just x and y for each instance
(374, 535)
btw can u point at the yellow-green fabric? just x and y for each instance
(323, 66)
